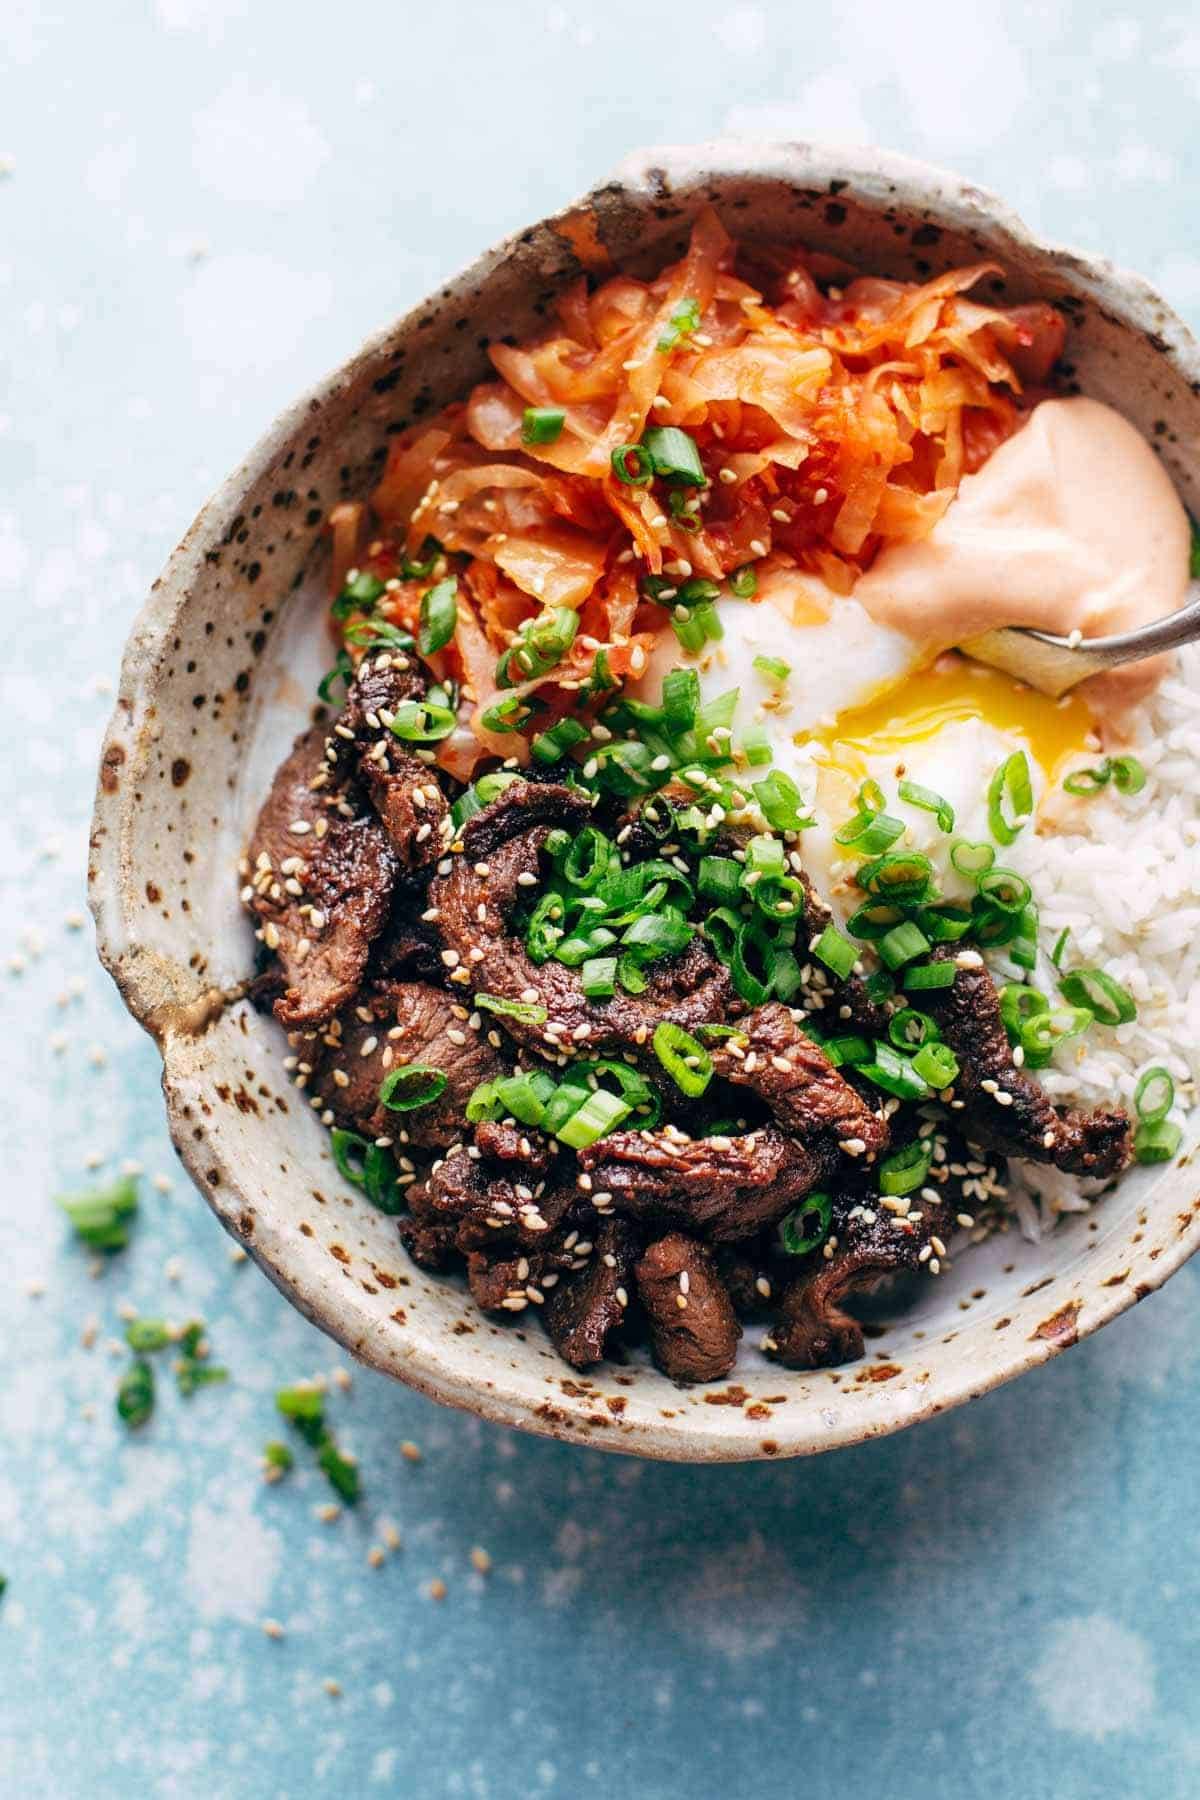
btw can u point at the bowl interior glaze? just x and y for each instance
(219, 676)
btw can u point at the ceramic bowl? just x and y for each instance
(219, 676)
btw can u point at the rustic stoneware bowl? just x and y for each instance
(219, 676)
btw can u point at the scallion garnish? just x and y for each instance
(424, 721)
(304, 1407)
(683, 321)
(1157, 1143)
(904, 877)
(909, 1029)
(897, 1074)
(773, 667)
(144, 1336)
(524, 1095)
(135, 1394)
(971, 859)
(1154, 1095)
(1044, 1030)
(743, 582)
(807, 1225)
(1010, 798)
(526, 1011)
(835, 951)
(410, 1086)
(870, 833)
(538, 647)
(1095, 989)
(1060, 946)
(929, 976)
(343, 671)
(902, 944)
(99, 1217)
(550, 746)
(781, 802)
(362, 592)
(905, 1170)
(600, 1113)
(673, 454)
(1127, 774)
(1004, 889)
(632, 465)
(421, 567)
(684, 1058)
(937, 1064)
(439, 617)
(598, 977)
(928, 801)
(541, 424)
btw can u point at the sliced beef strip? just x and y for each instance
(404, 791)
(491, 1203)
(694, 1330)
(510, 1283)
(813, 1329)
(322, 891)
(429, 1242)
(389, 1025)
(1096, 1143)
(741, 1267)
(724, 1187)
(474, 910)
(793, 1076)
(584, 1309)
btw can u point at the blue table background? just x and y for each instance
(203, 205)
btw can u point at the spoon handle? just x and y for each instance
(1130, 646)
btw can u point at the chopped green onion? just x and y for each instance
(135, 1394)
(909, 1029)
(484, 1102)
(631, 1087)
(1023, 950)
(1158, 1142)
(1129, 775)
(743, 582)
(673, 454)
(752, 964)
(145, 1335)
(598, 977)
(383, 1189)
(1060, 945)
(631, 975)
(524, 1010)
(632, 465)
(191, 1375)
(600, 1113)
(690, 633)
(1010, 787)
(538, 647)
(684, 1058)
(936, 1064)
(439, 617)
(524, 1095)
(1005, 889)
(897, 1074)
(684, 320)
(873, 920)
(1041, 1034)
(340, 1471)
(343, 671)
(904, 877)
(410, 1086)
(928, 801)
(549, 746)
(870, 832)
(423, 721)
(792, 1234)
(719, 878)
(879, 986)
(278, 1457)
(349, 1154)
(929, 975)
(1084, 782)
(781, 897)
(756, 746)
(509, 714)
(566, 1099)
(848, 1049)
(835, 951)
(658, 934)
(680, 699)
(1154, 1095)
(905, 1170)
(420, 570)
(98, 1218)
(971, 859)
(773, 667)
(589, 859)
(944, 923)
(1018, 1003)
(379, 634)
(781, 802)
(1093, 988)
(764, 857)
(902, 943)
(360, 594)
(304, 1401)
(541, 424)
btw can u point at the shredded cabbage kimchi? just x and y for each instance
(750, 408)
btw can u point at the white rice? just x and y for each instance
(1123, 873)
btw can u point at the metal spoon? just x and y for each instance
(1057, 664)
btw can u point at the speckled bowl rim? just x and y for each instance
(160, 996)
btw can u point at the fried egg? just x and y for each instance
(860, 702)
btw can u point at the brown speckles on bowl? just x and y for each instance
(220, 674)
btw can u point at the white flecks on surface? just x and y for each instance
(1094, 1678)
(232, 1560)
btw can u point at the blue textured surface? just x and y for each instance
(209, 202)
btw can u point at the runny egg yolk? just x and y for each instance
(948, 690)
